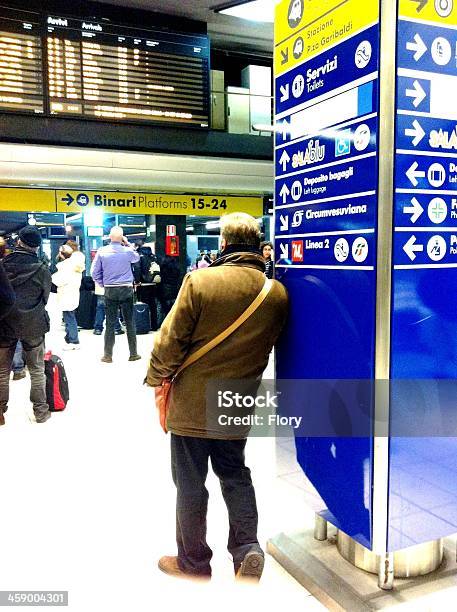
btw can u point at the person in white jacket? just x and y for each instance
(68, 282)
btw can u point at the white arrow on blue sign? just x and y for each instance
(284, 89)
(415, 210)
(284, 160)
(284, 219)
(418, 46)
(416, 132)
(284, 193)
(411, 248)
(285, 129)
(284, 250)
(413, 174)
(417, 93)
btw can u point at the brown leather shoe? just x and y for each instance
(252, 567)
(106, 359)
(2, 418)
(169, 565)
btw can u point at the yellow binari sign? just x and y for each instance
(27, 200)
(119, 202)
(304, 28)
(438, 11)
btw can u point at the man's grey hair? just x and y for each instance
(116, 234)
(240, 228)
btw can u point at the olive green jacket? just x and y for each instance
(210, 300)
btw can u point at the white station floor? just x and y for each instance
(87, 500)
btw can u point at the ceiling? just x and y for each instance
(226, 32)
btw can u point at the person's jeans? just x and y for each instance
(34, 358)
(189, 465)
(18, 359)
(100, 315)
(115, 298)
(71, 327)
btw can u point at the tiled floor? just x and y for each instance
(88, 502)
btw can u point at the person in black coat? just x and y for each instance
(7, 295)
(146, 287)
(169, 286)
(27, 320)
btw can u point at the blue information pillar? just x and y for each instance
(366, 244)
(326, 217)
(422, 468)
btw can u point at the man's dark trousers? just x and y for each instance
(189, 464)
(115, 298)
(34, 358)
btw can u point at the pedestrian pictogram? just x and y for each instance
(341, 249)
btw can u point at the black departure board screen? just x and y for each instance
(21, 61)
(113, 72)
(68, 66)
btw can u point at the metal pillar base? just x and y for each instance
(340, 586)
(320, 528)
(414, 561)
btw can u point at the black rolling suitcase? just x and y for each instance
(85, 313)
(142, 318)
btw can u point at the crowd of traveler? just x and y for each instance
(220, 324)
(122, 274)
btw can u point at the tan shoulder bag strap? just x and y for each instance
(232, 328)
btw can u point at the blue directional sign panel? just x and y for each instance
(350, 61)
(424, 323)
(341, 214)
(332, 144)
(427, 48)
(325, 227)
(425, 133)
(429, 172)
(414, 93)
(419, 210)
(355, 176)
(359, 101)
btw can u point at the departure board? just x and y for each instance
(114, 72)
(21, 68)
(76, 67)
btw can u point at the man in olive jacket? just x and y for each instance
(27, 320)
(210, 300)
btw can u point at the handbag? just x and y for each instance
(162, 393)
